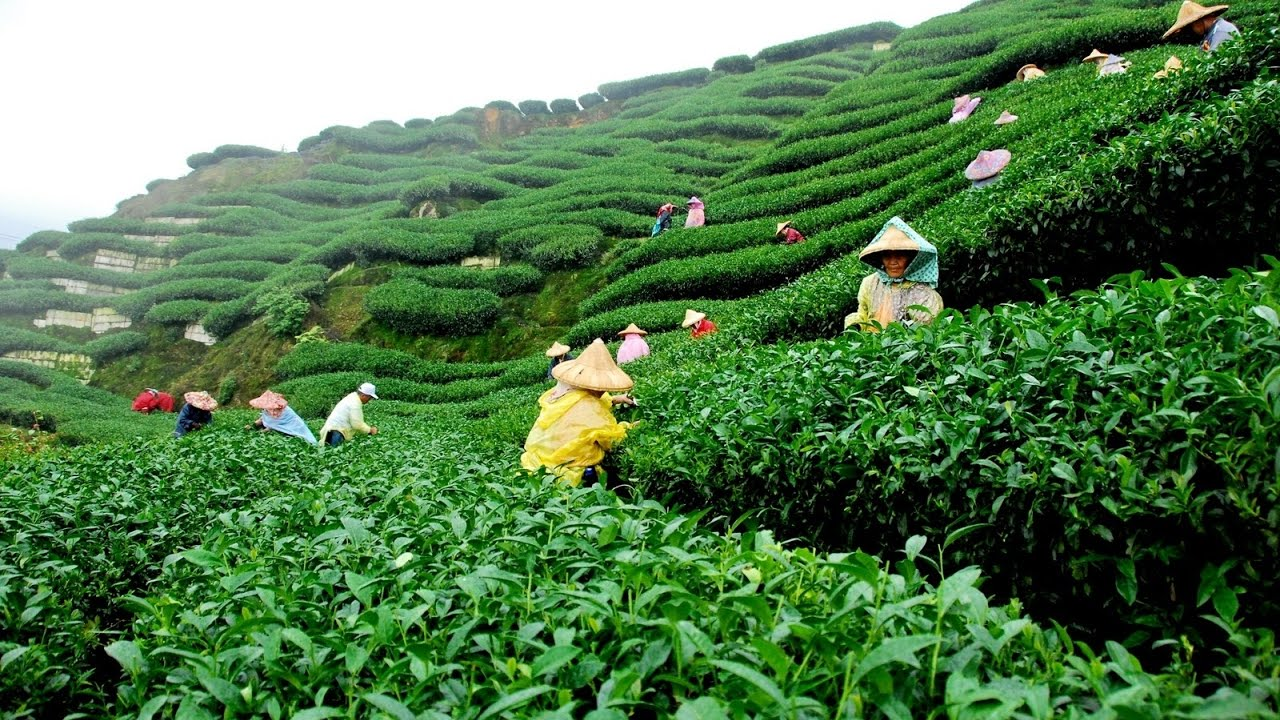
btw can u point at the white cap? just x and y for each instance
(368, 389)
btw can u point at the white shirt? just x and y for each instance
(347, 418)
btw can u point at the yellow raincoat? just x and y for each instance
(572, 433)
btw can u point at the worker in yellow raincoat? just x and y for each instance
(576, 425)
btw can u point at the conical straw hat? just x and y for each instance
(632, 330)
(557, 349)
(1029, 72)
(691, 317)
(1191, 12)
(1005, 118)
(1095, 56)
(269, 401)
(1172, 65)
(200, 399)
(891, 237)
(594, 369)
(958, 104)
(988, 164)
(782, 226)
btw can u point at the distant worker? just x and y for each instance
(196, 412)
(963, 107)
(558, 352)
(985, 169)
(699, 322)
(575, 425)
(697, 213)
(1028, 72)
(1206, 23)
(789, 235)
(1171, 66)
(901, 289)
(347, 417)
(1107, 63)
(633, 345)
(277, 416)
(152, 400)
(664, 220)
(1005, 118)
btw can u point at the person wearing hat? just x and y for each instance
(279, 417)
(664, 219)
(633, 345)
(195, 413)
(699, 322)
(347, 417)
(789, 235)
(963, 107)
(985, 169)
(558, 352)
(1005, 118)
(1107, 64)
(1205, 22)
(575, 425)
(1171, 66)
(152, 400)
(697, 214)
(902, 287)
(1029, 72)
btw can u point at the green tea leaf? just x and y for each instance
(703, 708)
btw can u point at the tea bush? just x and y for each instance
(114, 344)
(177, 312)
(807, 47)
(564, 106)
(534, 107)
(283, 311)
(224, 152)
(616, 91)
(590, 100)
(412, 307)
(317, 358)
(566, 252)
(517, 245)
(734, 64)
(505, 280)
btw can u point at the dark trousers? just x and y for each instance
(334, 438)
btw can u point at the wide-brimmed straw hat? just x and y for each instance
(269, 401)
(594, 369)
(1172, 65)
(557, 349)
(1029, 72)
(891, 237)
(1095, 56)
(988, 164)
(632, 330)
(958, 104)
(782, 226)
(1191, 12)
(200, 399)
(694, 202)
(1005, 118)
(691, 317)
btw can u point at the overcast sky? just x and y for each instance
(99, 98)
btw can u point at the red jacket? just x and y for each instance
(791, 236)
(152, 400)
(703, 327)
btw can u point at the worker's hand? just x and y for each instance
(623, 400)
(373, 429)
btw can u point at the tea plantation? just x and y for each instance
(1057, 500)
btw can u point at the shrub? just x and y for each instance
(135, 305)
(616, 91)
(114, 344)
(224, 152)
(504, 280)
(534, 107)
(319, 358)
(788, 86)
(416, 123)
(227, 389)
(517, 245)
(564, 106)
(29, 373)
(224, 318)
(412, 307)
(283, 311)
(829, 41)
(177, 312)
(735, 64)
(590, 100)
(504, 105)
(563, 253)
(264, 252)
(43, 241)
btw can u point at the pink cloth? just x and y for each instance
(961, 111)
(633, 348)
(696, 218)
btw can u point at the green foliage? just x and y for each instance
(735, 64)
(405, 240)
(528, 176)
(177, 312)
(504, 105)
(564, 106)
(12, 338)
(222, 319)
(40, 377)
(829, 41)
(534, 107)
(43, 241)
(416, 123)
(283, 311)
(246, 252)
(37, 300)
(789, 86)
(616, 91)
(25, 267)
(319, 358)
(114, 345)
(563, 253)
(468, 185)
(136, 304)
(224, 152)
(519, 244)
(227, 390)
(504, 280)
(413, 307)
(590, 100)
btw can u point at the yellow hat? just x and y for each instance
(1095, 56)
(1029, 72)
(557, 349)
(632, 330)
(691, 317)
(1191, 12)
(891, 239)
(594, 369)
(782, 226)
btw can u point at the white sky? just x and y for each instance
(98, 98)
